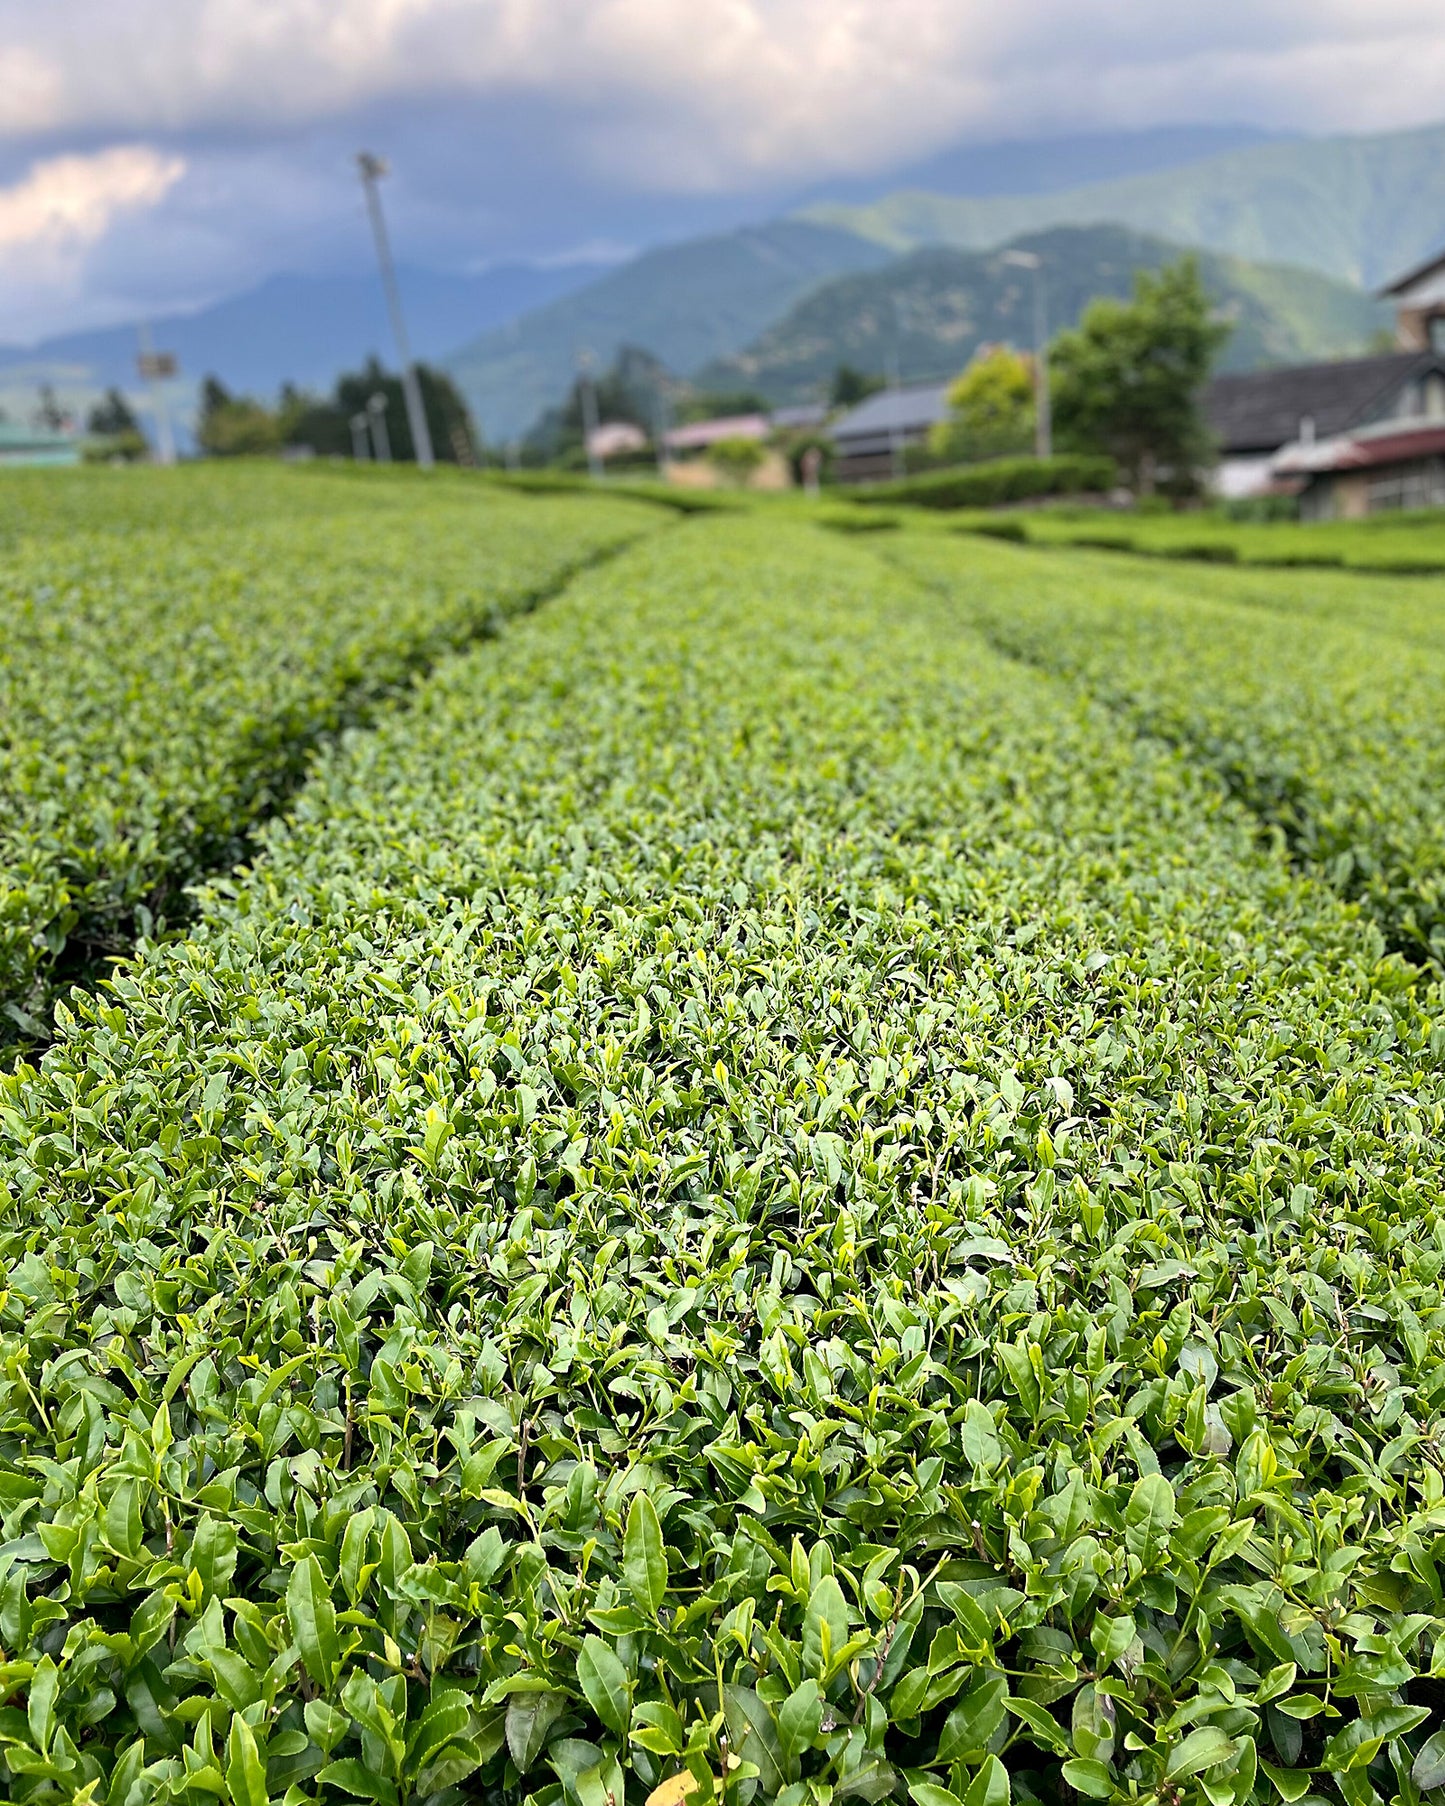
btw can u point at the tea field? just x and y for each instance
(812, 1171)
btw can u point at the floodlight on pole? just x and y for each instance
(380, 438)
(1043, 406)
(372, 170)
(155, 367)
(360, 444)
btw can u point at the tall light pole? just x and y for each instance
(895, 429)
(360, 446)
(1043, 411)
(372, 170)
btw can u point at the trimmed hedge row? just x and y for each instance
(161, 688)
(751, 1202)
(1332, 733)
(990, 484)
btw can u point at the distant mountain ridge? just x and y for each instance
(303, 329)
(933, 308)
(1359, 209)
(687, 304)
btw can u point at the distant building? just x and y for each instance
(1419, 297)
(1254, 418)
(1349, 438)
(27, 445)
(1396, 464)
(800, 419)
(615, 439)
(868, 439)
(702, 435)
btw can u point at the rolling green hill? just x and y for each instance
(685, 303)
(942, 303)
(1358, 208)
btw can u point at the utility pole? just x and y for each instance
(659, 429)
(589, 412)
(155, 366)
(1043, 405)
(372, 170)
(380, 438)
(895, 425)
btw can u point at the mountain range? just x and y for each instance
(931, 310)
(787, 299)
(301, 329)
(1360, 209)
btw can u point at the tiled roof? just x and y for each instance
(893, 411)
(1261, 411)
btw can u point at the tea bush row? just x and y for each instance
(1332, 733)
(161, 688)
(750, 1200)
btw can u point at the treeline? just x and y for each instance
(365, 416)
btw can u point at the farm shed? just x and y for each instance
(1393, 465)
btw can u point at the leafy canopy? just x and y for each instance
(1127, 379)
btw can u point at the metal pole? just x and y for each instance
(589, 412)
(1043, 409)
(165, 437)
(895, 429)
(360, 447)
(380, 438)
(372, 170)
(659, 429)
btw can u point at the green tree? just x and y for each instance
(1127, 379)
(991, 409)
(851, 386)
(111, 416)
(234, 426)
(325, 426)
(735, 460)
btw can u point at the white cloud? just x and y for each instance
(59, 211)
(714, 93)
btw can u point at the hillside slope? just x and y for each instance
(686, 303)
(939, 304)
(1358, 208)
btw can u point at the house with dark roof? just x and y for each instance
(869, 440)
(1349, 438)
(1255, 416)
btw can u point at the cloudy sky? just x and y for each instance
(159, 153)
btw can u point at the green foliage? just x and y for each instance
(325, 427)
(162, 688)
(991, 409)
(990, 484)
(736, 460)
(749, 1189)
(1334, 736)
(850, 386)
(234, 426)
(1127, 381)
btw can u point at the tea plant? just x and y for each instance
(1333, 735)
(753, 1202)
(162, 688)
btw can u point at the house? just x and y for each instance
(1254, 417)
(1393, 464)
(1419, 297)
(869, 440)
(35, 445)
(615, 439)
(702, 435)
